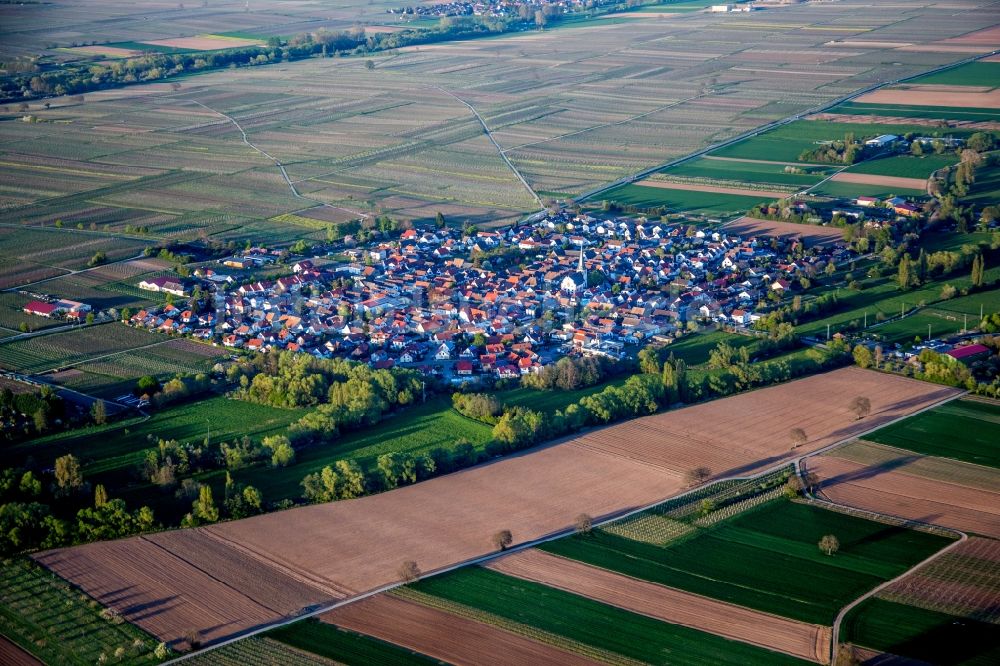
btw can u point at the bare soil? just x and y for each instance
(14, 655)
(810, 234)
(888, 488)
(920, 96)
(435, 633)
(886, 181)
(205, 43)
(800, 639)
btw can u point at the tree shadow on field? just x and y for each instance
(957, 640)
(145, 610)
(870, 471)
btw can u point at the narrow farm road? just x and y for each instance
(489, 135)
(277, 163)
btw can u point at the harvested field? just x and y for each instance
(809, 233)
(450, 519)
(735, 435)
(965, 581)
(12, 655)
(453, 639)
(104, 51)
(885, 181)
(808, 641)
(890, 489)
(691, 187)
(205, 43)
(920, 96)
(157, 590)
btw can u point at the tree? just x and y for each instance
(829, 544)
(204, 508)
(698, 475)
(861, 406)
(583, 524)
(369, 65)
(409, 572)
(100, 496)
(502, 539)
(440, 221)
(978, 271)
(862, 356)
(798, 437)
(905, 276)
(69, 476)
(99, 412)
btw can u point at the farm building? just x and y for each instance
(882, 141)
(164, 285)
(40, 309)
(968, 353)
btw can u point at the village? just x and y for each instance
(499, 303)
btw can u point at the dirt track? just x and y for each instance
(343, 548)
(885, 181)
(455, 640)
(807, 641)
(888, 488)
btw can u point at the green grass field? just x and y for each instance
(748, 172)
(787, 142)
(915, 111)
(45, 616)
(904, 166)
(767, 559)
(969, 74)
(832, 188)
(926, 635)
(943, 318)
(415, 430)
(590, 622)
(550, 401)
(881, 295)
(963, 430)
(345, 647)
(695, 348)
(986, 190)
(707, 203)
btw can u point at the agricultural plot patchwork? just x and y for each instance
(964, 430)
(572, 109)
(450, 519)
(66, 349)
(767, 559)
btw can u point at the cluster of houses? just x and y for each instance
(498, 302)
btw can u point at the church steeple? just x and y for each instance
(583, 272)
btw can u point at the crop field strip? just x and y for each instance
(65, 349)
(449, 519)
(570, 120)
(766, 559)
(806, 641)
(963, 429)
(474, 591)
(891, 488)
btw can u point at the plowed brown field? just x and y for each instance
(808, 641)
(888, 488)
(455, 640)
(344, 548)
(811, 234)
(13, 655)
(918, 96)
(885, 181)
